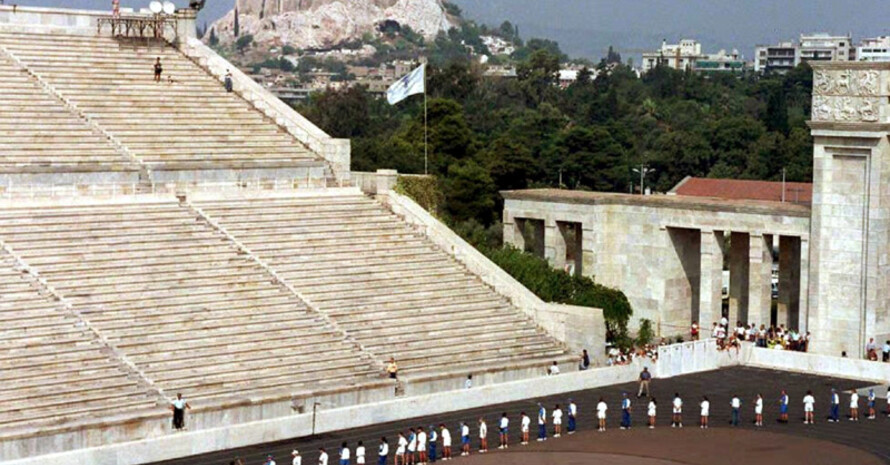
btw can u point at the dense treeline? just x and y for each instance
(487, 135)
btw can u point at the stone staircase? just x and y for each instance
(179, 301)
(187, 123)
(41, 135)
(385, 284)
(53, 369)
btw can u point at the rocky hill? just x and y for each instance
(326, 23)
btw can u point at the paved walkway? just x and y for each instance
(719, 386)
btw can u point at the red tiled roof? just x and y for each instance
(795, 192)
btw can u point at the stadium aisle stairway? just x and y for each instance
(181, 303)
(41, 135)
(53, 369)
(385, 284)
(190, 122)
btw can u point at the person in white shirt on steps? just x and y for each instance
(464, 439)
(525, 424)
(360, 454)
(502, 431)
(758, 410)
(736, 404)
(345, 456)
(651, 412)
(401, 448)
(483, 436)
(557, 421)
(854, 405)
(421, 445)
(808, 408)
(297, 460)
(601, 409)
(446, 442)
(677, 415)
(705, 412)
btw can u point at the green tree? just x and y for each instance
(469, 192)
(237, 26)
(243, 43)
(343, 113)
(450, 137)
(777, 111)
(538, 75)
(535, 45)
(677, 155)
(590, 158)
(512, 164)
(612, 56)
(213, 40)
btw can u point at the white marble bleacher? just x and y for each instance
(54, 371)
(41, 135)
(181, 303)
(385, 284)
(191, 123)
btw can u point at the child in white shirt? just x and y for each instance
(808, 407)
(677, 418)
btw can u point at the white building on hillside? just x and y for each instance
(875, 49)
(680, 56)
(784, 56)
(779, 58)
(688, 55)
(826, 47)
(497, 45)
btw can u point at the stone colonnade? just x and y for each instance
(670, 254)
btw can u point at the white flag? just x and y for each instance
(412, 83)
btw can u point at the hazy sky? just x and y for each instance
(588, 27)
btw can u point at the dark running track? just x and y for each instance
(719, 386)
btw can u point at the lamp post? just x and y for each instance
(643, 170)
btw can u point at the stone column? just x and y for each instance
(537, 242)
(799, 321)
(513, 232)
(760, 267)
(186, 25)
(788, 307)
(739, 252)
(385, 181)
(554, 244)
(576, 246)
(711, 296)
(588, 249)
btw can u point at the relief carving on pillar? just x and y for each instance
(847, 96)
(847, 82)
(846, 109)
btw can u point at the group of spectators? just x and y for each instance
(618, 356)
(871, 351)
(767, 337)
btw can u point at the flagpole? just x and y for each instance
(426, 140)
